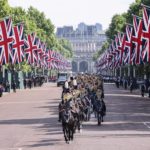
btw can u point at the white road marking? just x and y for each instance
(12, 149)
(147, 124)
(23, 102)
(123, 95)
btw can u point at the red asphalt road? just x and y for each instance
(28, 121)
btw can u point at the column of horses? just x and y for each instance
(79, 102)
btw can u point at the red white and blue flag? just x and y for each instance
(137, 40)
(39, 52)
(44, 56)
(31, 48)
(146, 35)
(18, 44)
(121, 47)
(128, 45)
(6, 40)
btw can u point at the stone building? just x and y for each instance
(85, 41)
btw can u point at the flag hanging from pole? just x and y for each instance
(128, 45)
(18, 44)
(137, 40)
(146, 34)
(6, 40)
(30, 48)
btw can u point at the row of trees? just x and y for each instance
(118, 24)
(35, 21)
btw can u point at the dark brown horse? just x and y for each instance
(68, 124)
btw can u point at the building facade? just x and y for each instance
(85, 41)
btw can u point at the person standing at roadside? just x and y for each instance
(143, 90)
(75, 83)
(1, 90)
(14, 86)
(25, 83)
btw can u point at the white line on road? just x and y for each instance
(12, 149)
(23, 102)
(147, 124)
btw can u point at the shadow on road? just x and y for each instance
(123, 114)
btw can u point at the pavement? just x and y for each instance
(28, 121)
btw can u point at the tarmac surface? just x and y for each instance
(28, 121)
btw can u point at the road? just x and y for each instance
(28, 121)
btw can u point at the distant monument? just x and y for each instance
(85, 41)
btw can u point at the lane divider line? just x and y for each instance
(147, 124)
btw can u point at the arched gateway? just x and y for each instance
(83, 66)
(74, 66)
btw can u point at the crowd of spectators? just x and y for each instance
(28, 82)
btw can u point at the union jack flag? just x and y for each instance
(128, 45)
(30, 48)
(18, 45)
(44, 56)
(50, 56)
(146, 17)
(50, 59)
(116, 48)
(136, 40)
(50, 65)
(146, 35)
(39, 51)
(121, 47)
(6, 40)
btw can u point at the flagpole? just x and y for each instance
(137, 16)
(35, 70)
(1, 19)
(20, 23)
(120, 71)
(43, 70)
(3, 68)
(128, 70)
(134, 71)
(145, 6)
(129, 24)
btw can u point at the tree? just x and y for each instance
(5, 8)
(99, 52)
(44, 29)
(67, 47)
(35, 21)
(18, 14)
(135, 8)
(116, 25)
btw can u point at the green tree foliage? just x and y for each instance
(116, 25)
(99, 52)
(25, 67)
(135, 8)
(4, 8)
(35, 21)
(118, 22)
(145, 2)
(44, 29)
(67, 47)
(18, 14)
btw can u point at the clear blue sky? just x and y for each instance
(72, 12)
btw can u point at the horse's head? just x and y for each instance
(66, 115)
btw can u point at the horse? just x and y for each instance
(100, 110)
(86, 108)
(68, 124)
